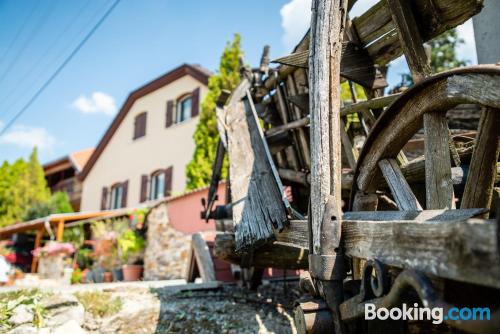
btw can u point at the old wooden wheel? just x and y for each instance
(429, 183)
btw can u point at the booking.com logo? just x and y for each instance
(435, 314)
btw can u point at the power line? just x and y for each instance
(60, 68)
(36, 29)
(19, 31)
(22, 78)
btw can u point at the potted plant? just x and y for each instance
(52, 258)
(130, 248)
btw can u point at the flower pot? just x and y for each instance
(117, 274)
(132, 272)
(98, 275)
(108, 277)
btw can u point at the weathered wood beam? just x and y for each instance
(273, 255)
(203, 258)
(296, 232)
(256, 190)
(376, 103)
(305, 178)
(483, 168)
(327, 25)
(444, 243)
(438, 185)
(465, 251)
(289, 126)
(303, 142)
(400, 189)
(38, 243)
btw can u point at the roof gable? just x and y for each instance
(195, 71)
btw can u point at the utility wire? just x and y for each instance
(60, 68)
(35, 31)
(19, 31)
(22, 78)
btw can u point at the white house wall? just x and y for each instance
(126, 159)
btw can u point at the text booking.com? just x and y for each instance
(436, 315)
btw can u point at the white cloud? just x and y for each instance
(468, 49)
(295, 20)
(97, 102)
(25, 136)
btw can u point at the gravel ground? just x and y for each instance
(227, 309)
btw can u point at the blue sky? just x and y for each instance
(140, 41)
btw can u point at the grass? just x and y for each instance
(99, 303)
(31, 298)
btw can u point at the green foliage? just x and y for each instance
(206, 136)
(57, 203)
(345, 92)
(130, 245)
(99, 303)
(443, 52)
(22, 186)
(76, 276)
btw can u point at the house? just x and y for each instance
(62, 175)
(144, 152)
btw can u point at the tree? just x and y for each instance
(443, 51)
(24, 193)
(206, 136)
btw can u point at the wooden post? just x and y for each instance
(327, 25)
(38, 241)
(327, 30)
(60, 230)
(438, 184)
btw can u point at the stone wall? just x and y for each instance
(167, 249)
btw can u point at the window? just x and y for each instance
(140, 125)
(184, 109)
(157, 185)
(117, 196)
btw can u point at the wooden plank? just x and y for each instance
(376, 29)
(274, 255)
(296, 233)
(409, 38)
(483, 167)
(301, 123)
(350, 152)
(376, 103)
(355, 65)
(258, 204)
(204, 260)
(301, 133)
(462, 250)
(324, 101)
(400, 189)
(465, 251)
(438, 181)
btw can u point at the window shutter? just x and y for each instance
(124, 194)
(170, 114)
(140, 125)
(195, 102)
(144, 188)
(104, 198)
(168, 181)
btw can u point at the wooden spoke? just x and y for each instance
(438, 183)
(400, 189)
(349, 150)
(483, 168)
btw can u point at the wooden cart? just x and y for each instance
(319, 184)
